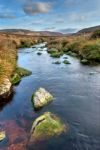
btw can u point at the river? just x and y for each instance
(76, 89)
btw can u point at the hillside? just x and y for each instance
(29, 32)
(89, 30)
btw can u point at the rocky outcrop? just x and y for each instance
(46, 126)
(5, 88)
(41, 98)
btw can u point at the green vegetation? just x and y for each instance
(19, 73)
(86, 48)
(25, 44)
(46, 126)
(91, 52)
(96, 34)
(23, 72)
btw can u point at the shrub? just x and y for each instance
(96, 34)
(91, 52)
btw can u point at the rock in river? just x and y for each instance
(46, 126)
(2, 135)
(41, 98)
(5, 88)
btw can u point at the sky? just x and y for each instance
(65, 16)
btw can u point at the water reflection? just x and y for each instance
(4, 102)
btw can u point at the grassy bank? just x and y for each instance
(8, 55)
(87, 48)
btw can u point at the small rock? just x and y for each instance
(41, 98)
(39, 53)
(57, 62)
(2, 135)
(66, 62)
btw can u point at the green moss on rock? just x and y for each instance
(23, 72)
(66, 62)
(57, 62)
(15, 79)
(19, 73)
(46, 126)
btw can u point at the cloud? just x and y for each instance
(32, 8)
(60, 21)
(78, 17)
(7, 16)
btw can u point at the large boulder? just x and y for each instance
(46, 126)
(41, 98)
(5, 88)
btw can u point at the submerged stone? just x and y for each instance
(41, 98)
(46, 126)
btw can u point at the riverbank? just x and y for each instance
(10, 73)
(86, 48)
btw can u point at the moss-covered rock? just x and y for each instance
(66, 62)
(57, 62)
(41, 98)
(23, 72)
(16, 79)
(19, 73)
(46, 126)
(56, 54)
(71, 54)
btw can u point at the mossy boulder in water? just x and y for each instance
(15, 79)
(23, 72)
(57, 62)
(41, 98)
(46, 126)
(66, 62)
(19, 73)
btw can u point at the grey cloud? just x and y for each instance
(59, 21)
(32, 8)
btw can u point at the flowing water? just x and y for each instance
(76, 89)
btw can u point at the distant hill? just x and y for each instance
(32, 33)
(89, 30)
